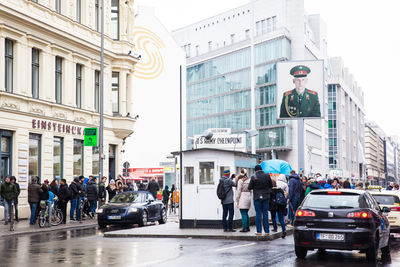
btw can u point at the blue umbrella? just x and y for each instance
(276, 166)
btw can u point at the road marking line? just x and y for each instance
(239, 246)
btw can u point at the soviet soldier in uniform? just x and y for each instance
(300, 102)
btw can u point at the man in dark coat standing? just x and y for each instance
(34, 191)
(74, 190)
(227, 203)
(153, 187)
(14, 181)
(64, 195)
(9, 194)
(92, 195)
(295, 189)
(261, 184)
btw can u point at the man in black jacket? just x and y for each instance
(63, 196)
(14, 181)
(102, 191)
(92, 194)
(153, 187)
(261, 185)
(73, 188)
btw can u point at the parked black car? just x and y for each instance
(343, 219)
(134, 207)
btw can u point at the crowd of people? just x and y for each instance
(84, 195)
(276, 195)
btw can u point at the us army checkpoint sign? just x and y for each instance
(90, 136)
(300, 89)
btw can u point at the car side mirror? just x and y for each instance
(385, 210)
(150, 200)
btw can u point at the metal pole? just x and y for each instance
(252, 81)
(101, 128)
(300, 147)
(180, 147)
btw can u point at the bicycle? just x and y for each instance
(56, 215)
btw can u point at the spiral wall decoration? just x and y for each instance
(149, 45)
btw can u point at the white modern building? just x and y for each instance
(231, 76)
(345, 122)
(50, 87)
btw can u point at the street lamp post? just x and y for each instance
(101, 104)
(272, 137)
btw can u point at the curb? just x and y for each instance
(47, 229)
(224, 237)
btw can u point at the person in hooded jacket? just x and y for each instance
(277, 209)
(295, 189)
(91, 193)
(9, 194)
(102, 192)
(346, 184)
(312, 186)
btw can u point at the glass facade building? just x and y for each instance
(332, 126)
(219, 92)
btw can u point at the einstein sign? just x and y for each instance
(222, 140)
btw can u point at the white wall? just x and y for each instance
(155, 98)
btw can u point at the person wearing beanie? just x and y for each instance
(261, 184)
(227, 203)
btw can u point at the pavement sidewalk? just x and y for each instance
(171, 230)
(23, 227)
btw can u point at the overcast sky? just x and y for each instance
(365, 33)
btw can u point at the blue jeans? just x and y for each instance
(8, 216)
(262, 206)
(93, 205)
(294, 203)
(33, 207)
(281, 219)
(225, 209)
(74, 203)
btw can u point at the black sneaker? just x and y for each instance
(243, 230)
(231, 230)
(284, 234)
(275, 230)
(225, 230)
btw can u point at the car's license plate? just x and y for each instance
(330, 237)
(114, 217)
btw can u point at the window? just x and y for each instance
(189, 175)
(9, 57)
(264, 26)
(274, 23)
(58, 158)
(59, 80)
(97, 15)
(58, 6)
(78, 10)
(96, 90)
(34, 154)
(78, 157)
(209, 45)
(207, 172)
(95, 160)
(78, 85)
(115, 92)
(232, 38)
(35, 73)
(258, 28)
(197, 50)
(115, 19)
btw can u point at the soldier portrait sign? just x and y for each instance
(300, 89)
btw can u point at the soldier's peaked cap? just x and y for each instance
(300, 71)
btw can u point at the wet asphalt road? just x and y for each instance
(87, 247)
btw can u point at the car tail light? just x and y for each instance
(334, 193)
(359, 214)
(305, 213)
(395, 209)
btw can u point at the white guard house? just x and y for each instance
(202, 169)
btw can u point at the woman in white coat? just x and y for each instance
(243, 199)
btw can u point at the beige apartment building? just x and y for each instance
(50, 87)
(374, 155)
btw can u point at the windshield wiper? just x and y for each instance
(341, 207)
